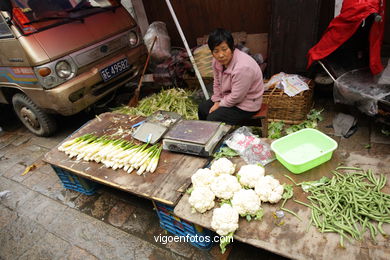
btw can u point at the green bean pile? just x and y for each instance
(173, 100)
(350, 203)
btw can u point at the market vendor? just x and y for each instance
(238, 82)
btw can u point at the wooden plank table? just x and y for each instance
(295, 239)
(166, 184)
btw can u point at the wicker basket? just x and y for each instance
(291, 110)
(204, 60)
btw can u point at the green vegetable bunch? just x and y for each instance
(313, 118)
(173, 100)
(275, 129)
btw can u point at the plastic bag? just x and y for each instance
(360, 88)
(250, 147)
(162, 48)
(5, 194)
(385, 76)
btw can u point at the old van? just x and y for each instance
(62, 56)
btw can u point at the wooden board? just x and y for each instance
(295, 239)
(200, 17)
(293, 31)
(166, 184)
(258, 43)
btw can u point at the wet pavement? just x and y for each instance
(42, 220)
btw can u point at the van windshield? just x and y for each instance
(36, 15)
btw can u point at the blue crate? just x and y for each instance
(74, 182)
(180, 227)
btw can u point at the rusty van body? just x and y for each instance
(60, 57)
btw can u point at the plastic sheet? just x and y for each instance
(385, 76)
(162, 48)
(361, 89)
(250, 147)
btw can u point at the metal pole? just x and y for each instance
(206, 94)
(326, 70)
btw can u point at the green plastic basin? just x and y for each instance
(304, 150)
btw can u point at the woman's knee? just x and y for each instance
(204, 108)
(215, 116)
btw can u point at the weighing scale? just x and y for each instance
(195, 137)
(155, 126)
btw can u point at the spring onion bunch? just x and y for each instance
(114, 153)
(350, 203)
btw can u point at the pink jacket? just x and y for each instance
(240, 85)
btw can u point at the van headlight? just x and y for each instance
(63, 69)
(56, 72)
(133, 38)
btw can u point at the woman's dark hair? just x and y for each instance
(218, 36)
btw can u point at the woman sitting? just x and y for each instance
(238, 83)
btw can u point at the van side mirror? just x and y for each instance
(5, 5)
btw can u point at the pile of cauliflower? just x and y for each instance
(240, 194)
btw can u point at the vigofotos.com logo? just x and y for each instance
(191, 239)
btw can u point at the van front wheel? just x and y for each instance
(34, 118)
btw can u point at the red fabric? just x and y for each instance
(342, 27)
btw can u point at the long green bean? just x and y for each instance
(350, 203)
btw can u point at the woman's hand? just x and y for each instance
(214, 107)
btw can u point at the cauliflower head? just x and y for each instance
(269, 189)
(250, 174)
(225, 220)
(202, 199)
(224, 186)
(223, 166)
(203, 178)
(246, 202)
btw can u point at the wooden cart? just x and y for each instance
(295, 238)
(166, 184)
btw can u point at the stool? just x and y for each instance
(260, 119)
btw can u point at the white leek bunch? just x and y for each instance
(114, 153)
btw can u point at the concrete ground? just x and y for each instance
(42, 220)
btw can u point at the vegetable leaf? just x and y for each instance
(309, 184)
(225, 202)
(315, 115)
(259, 214)
(385, 132)
(225, 152)
(288, 191)
(275, 130)
(225, 240)
(189, 190)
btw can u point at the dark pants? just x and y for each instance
(228, 115)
